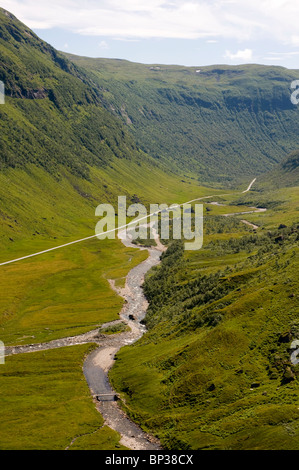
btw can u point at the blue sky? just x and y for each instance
(185, 32)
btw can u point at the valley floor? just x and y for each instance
(183, 341)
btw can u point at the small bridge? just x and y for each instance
(107, 397)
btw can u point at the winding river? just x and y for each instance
(99, 362)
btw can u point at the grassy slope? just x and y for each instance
(217, 322)
(222, 123)
(285, 175)
(45, 404)
(277, 190)
(61, 293)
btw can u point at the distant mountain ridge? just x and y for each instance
(218, 122)
(215, 124)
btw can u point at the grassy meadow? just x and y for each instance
(66, 292)
(46, 404)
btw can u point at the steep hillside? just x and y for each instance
(286, 174)
(53, 115)
(219, 122)
(214, 370)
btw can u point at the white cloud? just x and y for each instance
(188, 19)
(284, 54)
(126, 39)
(103, 45)
(271, 59)
(295, 40)
(279, 56)
(243, 56)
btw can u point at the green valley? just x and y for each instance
(213, 368)
(219, 122)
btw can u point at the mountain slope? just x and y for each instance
(219, 122)
(286, 174)
(53, 114)
(55, 130)
(214, 371)
(61, 155)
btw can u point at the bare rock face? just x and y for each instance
(20, 92)
(38, 94)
